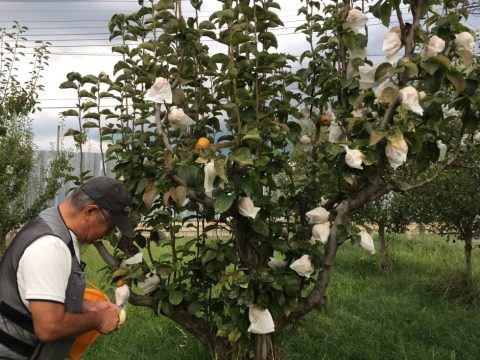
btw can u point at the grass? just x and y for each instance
(411, 314)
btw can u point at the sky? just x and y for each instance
(79, 35)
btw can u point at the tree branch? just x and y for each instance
(196, 326)
(200, 328)
(109, 259)
(160, 131)
(407, 187)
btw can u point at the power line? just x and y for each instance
(105, 33)
(103, 45)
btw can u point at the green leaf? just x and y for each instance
(253, 135)
(92, 79)
(433, 83)
(120, 49)
(179, 194)
(71, 132)
(412, 67)
(220, 168)
(441, 61)
(68, 85)
(457, 80)
(70, 112)
(175, 297)
(90, 124)
(167, 308)
(376, 136)
(87, 94)
(415, 142)
(260, 227)
(72, 76)
(113, 148)
(195, 307)
(223, 202)
(395, 135)
(234, 336)
(242, 156)
(268, 39)
(209, 256)
(147, 46)
(383, 70)
(164, 5)
(382, 12)
(250, 184)
(206, 25)
(119, 66)
(220, 58)
(240, 38)
(87, 105)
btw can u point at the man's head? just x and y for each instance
(103, 203)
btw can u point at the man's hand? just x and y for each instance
(109, 320)
(51, 322)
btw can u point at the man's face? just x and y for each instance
(95, 224)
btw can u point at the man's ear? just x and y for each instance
(90, 210)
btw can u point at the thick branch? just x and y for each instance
(410, 35)
(408, 187)
(387, 118)
(196, 326)
(400, 18)
(109, 259)
(317, 297)
(160, 131)
(373, 192)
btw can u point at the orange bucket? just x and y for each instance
(83, 341)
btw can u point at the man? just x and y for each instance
(42, 280)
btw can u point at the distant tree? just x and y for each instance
(17, 158)
(391, 213)
(451, 205)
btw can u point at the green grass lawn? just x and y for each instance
(407, 315)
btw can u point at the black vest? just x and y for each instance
(17, 338)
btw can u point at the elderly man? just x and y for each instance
(42, 281)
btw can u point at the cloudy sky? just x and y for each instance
(78, 32)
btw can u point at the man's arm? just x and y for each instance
(97, 306)
(51, 322)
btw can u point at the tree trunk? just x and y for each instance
(468, 257)
(384, 257)
(421, 229)
(264, 348)
(3, 245)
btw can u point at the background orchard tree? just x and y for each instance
(369, 120)
(18, 98)
(392, 213)
(90, 93)
(450, 205)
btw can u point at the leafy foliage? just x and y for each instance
(450, 205)
(16, 138)
(253, 107)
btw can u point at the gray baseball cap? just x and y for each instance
(114, 197)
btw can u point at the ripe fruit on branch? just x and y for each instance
(202, 143)
(324, 119)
